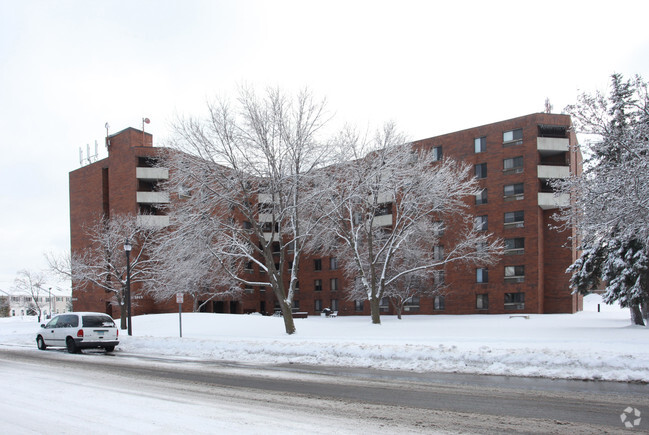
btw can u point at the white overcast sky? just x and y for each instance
(68, 67)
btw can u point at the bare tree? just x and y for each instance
(422, 282)
(182, 262)
(31, 284)
(103, 263)
(245, 174)
(392, 198)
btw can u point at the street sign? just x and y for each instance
(179, 298)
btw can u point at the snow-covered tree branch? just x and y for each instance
(103, 264)
(610, 204)
(243, 177)
(391, 199)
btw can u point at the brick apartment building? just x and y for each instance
(514, 161)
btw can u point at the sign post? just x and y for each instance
(179, 300)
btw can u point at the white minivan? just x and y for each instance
(76, 331)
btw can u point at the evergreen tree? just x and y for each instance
(611, 196)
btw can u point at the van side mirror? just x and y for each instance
(42, 325)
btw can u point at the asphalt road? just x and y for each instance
(394, 401)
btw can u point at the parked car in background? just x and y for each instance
(76, 331)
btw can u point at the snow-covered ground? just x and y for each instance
(587, 345)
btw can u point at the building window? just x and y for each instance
(481, 170)
(437, 153)
(482, 275)
(438, 228)
(515, 301)
(358, 305)
(482, 301)
(481, 223)
(438, 252)
(333, 282)
(514, 191)
(515, 246)
(480, 144)
(333, 263)
(513, 137)
(439, 303)
(318, 305)
(440, 278)
(334, 305)
(317, 264)
(296, 304)
(248, 267)
(383, 209)
(384, 304)
(514, 273)
(514, 219)
(317, 285)
(514, 164)
(249, 289)
(481, 197)
(412, 304)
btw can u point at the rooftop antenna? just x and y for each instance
(107, 140)
(548, 106)
(144, 121)
(80, 156)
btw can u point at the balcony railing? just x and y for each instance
(153, 221)
(547, 171)
(153, 197)
(552, 145)
(548, 200)
(152, 173)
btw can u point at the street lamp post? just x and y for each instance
(50, 292)
(127, 250)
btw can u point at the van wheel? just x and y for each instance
(40, 343)
(71, 345)
(109, 348)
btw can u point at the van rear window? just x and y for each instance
(97, 321)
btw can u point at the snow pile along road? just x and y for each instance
(586, 345)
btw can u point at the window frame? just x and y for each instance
(481, 197)
(518, 273)
(480, 147)
(438, 153)
(482, 275)
(514, 219)
(514, 301)
(482, 301)
(516, 137)
(515, 168)
(481, 173)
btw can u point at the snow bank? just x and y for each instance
(587, 345)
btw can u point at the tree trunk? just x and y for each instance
(287, 313)
(399, 308)
(636, 315)
(644, 309)
(375, 310)
(122, 315)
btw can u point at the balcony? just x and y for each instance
(546, 171)
(152, 197)
(552, 145)
(382, 221)
(548, 200)
(152, 173)
(152, 221)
